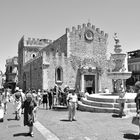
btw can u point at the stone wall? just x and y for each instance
(33, 71)
(51, 62)
(92, 53)
(70, 51)
(58, 46)
(28, 49)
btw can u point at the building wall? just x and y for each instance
(71, 51)
(52, 62)
(58, 46)
(73, 45)
(33, 72)
(79, 46)
(92, 53)
(28, 49)
(11, 69)
(134, 64)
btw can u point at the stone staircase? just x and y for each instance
(106, 103)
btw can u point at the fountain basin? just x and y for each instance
(119, 75)
(107, 103)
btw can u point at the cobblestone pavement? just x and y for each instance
(54, 125)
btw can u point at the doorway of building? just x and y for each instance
(89, 83)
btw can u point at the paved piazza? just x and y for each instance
(54, 125)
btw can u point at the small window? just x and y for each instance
(59, 75)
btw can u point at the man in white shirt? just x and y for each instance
(72, 104)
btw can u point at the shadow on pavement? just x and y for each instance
(65, 120)
(131, 136)
(116, 116)
(10, 119)
(21, 134)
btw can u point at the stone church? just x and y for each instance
(77, 59)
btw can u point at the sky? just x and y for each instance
(49, 19)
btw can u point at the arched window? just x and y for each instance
(59, 75)
(33, 55)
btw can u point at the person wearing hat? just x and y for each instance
(39, 97)
(72, 104)
(17, 104)
(29, 106)
(137, 101)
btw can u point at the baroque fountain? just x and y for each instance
(120, 72)
(109, 102)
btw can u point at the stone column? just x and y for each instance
(99, 83)
(82, 83)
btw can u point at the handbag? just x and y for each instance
(135, 120)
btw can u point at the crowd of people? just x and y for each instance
(27, 102)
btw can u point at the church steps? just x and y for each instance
(84, 107)
(105, 104)
(89, 108)
(107, 99)
(97, 99)
(97, 104)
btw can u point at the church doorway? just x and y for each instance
(89, 81)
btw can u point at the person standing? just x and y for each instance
(137, 101)
(22, 95)
(65, 94)
(50, 98)
(45, 99)
(5, 98)
(29, 106)
(86, 94)
(39, 97)
(55, 96)
(34, 95)
(72, 104)
(17, 105)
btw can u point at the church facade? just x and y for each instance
(77, 59)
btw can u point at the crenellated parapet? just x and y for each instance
(86, 26)
(28, 41)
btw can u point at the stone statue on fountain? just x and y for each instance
(116, 39)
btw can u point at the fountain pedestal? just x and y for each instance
(119, 74)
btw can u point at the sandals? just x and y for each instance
(31, 134)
